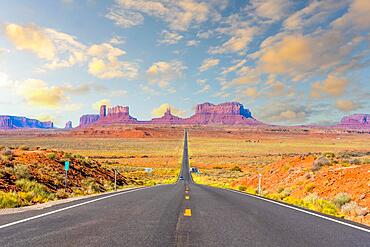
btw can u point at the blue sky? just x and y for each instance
(289, 62)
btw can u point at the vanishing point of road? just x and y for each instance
(180, 214)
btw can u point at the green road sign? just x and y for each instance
(66, 165)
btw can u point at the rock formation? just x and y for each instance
(229, 113)
(68, 125)
(15, 122)
(88, 119)
(355, 121)
(116, 114)
(168, 118)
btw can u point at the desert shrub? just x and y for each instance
(24, 148)
(355, 162)
(33, 192)
(52, 156)
(313, 202)
(329, 155)
(341, 198)
(21, 171)
(311, 198)
(318, 163)
(9, 200)
(67, 156)
(242, 188)
(351, 208)
(2, 148)
(236, 169)
(61, 193)
(7, 154)
(285, 192)
(309, 187)
(90, 186)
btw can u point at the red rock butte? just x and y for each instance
(230, 113)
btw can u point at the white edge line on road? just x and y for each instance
(70, 207)
(303, 211)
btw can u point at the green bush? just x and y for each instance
(318, 163)
(21, 171)
(242, 188)
(341, 198)
(236, 169)
(7, 154)
(9, 200)
(33, 192)
(52, 156)
(24, 148)
(90, 186)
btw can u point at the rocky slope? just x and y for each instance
(29, 176)
(15, 122)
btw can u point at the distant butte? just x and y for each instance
(230, 113)
(15, 122)
(355, 121)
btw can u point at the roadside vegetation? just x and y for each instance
(331, 183)
(32, 175)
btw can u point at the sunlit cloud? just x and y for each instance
(170, 38)
(208, 63)
(39, 93)
(159, 111)
(346, 105)
(96, 105)
(162, 73)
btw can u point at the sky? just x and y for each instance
(289, 62)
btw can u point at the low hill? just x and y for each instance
(35, 176)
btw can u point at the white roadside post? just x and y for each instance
(115, 179)
(259, 183)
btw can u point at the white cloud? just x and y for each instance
(332, 86)
(124, 18)
(162, 73)
(271, 9)
(204, 89)
(251, 92)
(106, 65)
(96, 105)
(39, 93)
(192, 42)
(178, 14)
(170, 38)
(208, 63)
(159, 111)
(346, 105)
(284, 112)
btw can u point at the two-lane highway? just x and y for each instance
(181, 214)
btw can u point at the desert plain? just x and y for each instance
(325, 170)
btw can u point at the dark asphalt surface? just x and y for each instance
(155, 217)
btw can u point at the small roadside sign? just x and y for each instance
(66, 165)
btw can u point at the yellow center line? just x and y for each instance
(187, 197)
(187, 212)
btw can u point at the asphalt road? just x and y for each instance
(182, 214)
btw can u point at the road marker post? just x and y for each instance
(259, 183)
(66, 168)
(115, 180)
